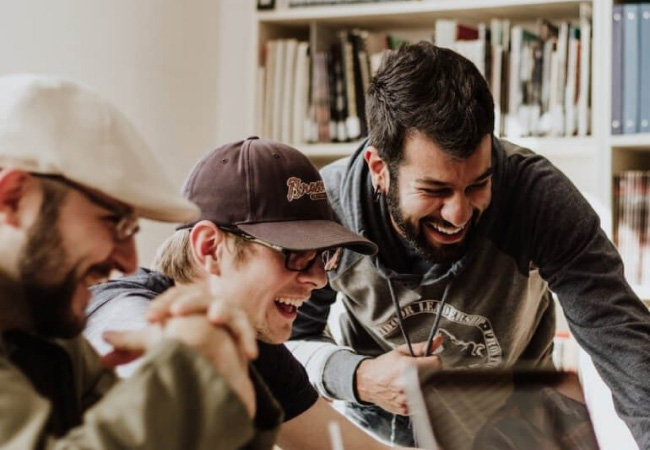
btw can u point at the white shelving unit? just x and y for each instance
(584, 159)
(421, 13)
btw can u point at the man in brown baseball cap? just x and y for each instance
(271, 192)
(265, 239)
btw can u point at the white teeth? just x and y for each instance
(447, 230)
(290, 301)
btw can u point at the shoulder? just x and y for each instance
(144, 284)
(333, 175)
(527, 181)
(286, 378)
(540, 211)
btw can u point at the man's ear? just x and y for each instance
(208, 244)
(13, 188)
(378, 169)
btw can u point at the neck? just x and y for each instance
(14, 308)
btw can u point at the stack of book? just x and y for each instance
(539, 76)
(318, 96)
(632, 224)
(631, 68)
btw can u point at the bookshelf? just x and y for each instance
(591, 161)
(583, 158)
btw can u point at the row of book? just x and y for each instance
(306, 96)
(539, 76)
(632, 223)
(631, 68)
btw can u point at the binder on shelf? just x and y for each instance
(631, 68)
(617, 69)
(644, 76)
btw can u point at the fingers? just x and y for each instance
(178, 301)
(236, 321)
(436, 343)
(397, 403)
(197, 299)
(117, 358)
(428, 362)
(419, 347)
(133, 340)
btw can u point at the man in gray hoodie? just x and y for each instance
(474, 233)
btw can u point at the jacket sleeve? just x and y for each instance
(331, 368)
(176, 400)
(125, 311)
(584, 269)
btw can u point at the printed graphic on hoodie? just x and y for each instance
(469, 339)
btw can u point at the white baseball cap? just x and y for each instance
(52, 126)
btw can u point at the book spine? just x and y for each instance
(644, 76)
(617, 69)
(631, 69)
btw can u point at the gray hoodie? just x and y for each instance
(538, 235)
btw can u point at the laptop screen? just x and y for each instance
(505, 410)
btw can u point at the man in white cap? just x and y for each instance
(74, 178)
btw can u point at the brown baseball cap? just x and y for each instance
(272, 192)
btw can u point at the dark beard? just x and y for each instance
(415, 237)
(49, 304)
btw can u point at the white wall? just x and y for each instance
(237, 42)
(157, 60)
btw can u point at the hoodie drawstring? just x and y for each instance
(432, 333)
(436, 321)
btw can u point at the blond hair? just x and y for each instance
(174, 257)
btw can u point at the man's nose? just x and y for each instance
(457, 210)
(125, 256)
(315, 275)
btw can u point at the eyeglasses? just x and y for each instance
(125, 221)
(298, 260)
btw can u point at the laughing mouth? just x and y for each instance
(297, 303)
(450, 231)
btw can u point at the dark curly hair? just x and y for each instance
(431, 90)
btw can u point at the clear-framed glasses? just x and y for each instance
(125, 221)
(298, 260)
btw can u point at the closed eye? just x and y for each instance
(477, 186)
(436, 192)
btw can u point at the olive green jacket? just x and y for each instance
(176, 400)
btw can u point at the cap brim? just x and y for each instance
(179, 212)
(309, 235)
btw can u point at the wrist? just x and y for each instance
(338, 375)
(359, 382)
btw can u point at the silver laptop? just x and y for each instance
(499, 410)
